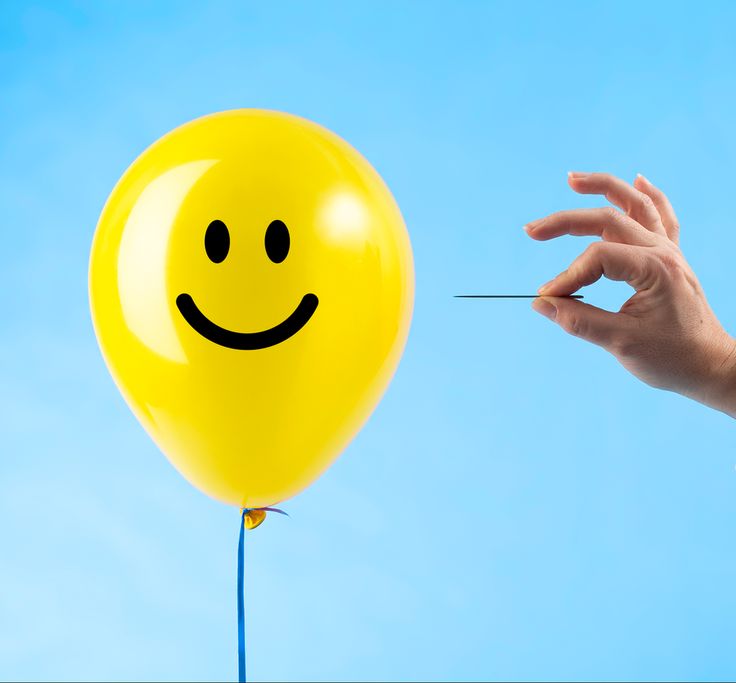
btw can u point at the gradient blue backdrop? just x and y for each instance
(518, 506)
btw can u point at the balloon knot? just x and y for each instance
(254, 517)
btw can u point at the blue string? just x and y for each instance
(241, 601)
(241, 587)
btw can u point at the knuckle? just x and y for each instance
(587, 262)
(612, 214)
(671, 265)
(573, 323)
(646, 203)
(645, 200)
(670, 261)
(593, 251)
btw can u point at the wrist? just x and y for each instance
(718, 388)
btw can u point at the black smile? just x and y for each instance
(247, 341)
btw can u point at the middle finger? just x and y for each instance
(620, 193)
(608, 223)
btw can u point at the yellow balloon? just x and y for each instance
(251, 285)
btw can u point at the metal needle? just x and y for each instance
(512, 296)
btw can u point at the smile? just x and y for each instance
(247, 341)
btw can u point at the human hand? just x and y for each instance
(666, 334)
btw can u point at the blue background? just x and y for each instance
(518, 506)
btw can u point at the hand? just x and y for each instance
(665, 334)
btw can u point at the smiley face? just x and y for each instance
(251, 286)
(217, 246)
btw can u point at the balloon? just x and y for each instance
(251, 285)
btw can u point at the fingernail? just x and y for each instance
(527, 228)
(577, 174)
(545, 307)
(646, 180)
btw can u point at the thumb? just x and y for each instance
(581, 320)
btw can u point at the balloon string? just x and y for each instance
(241, 601)
(241, 588)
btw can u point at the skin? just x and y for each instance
(666, 334)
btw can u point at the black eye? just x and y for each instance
(217, 241)
(277, 241)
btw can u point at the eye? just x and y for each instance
(277, 241)
(217, 241)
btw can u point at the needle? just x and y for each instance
(512, 296)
